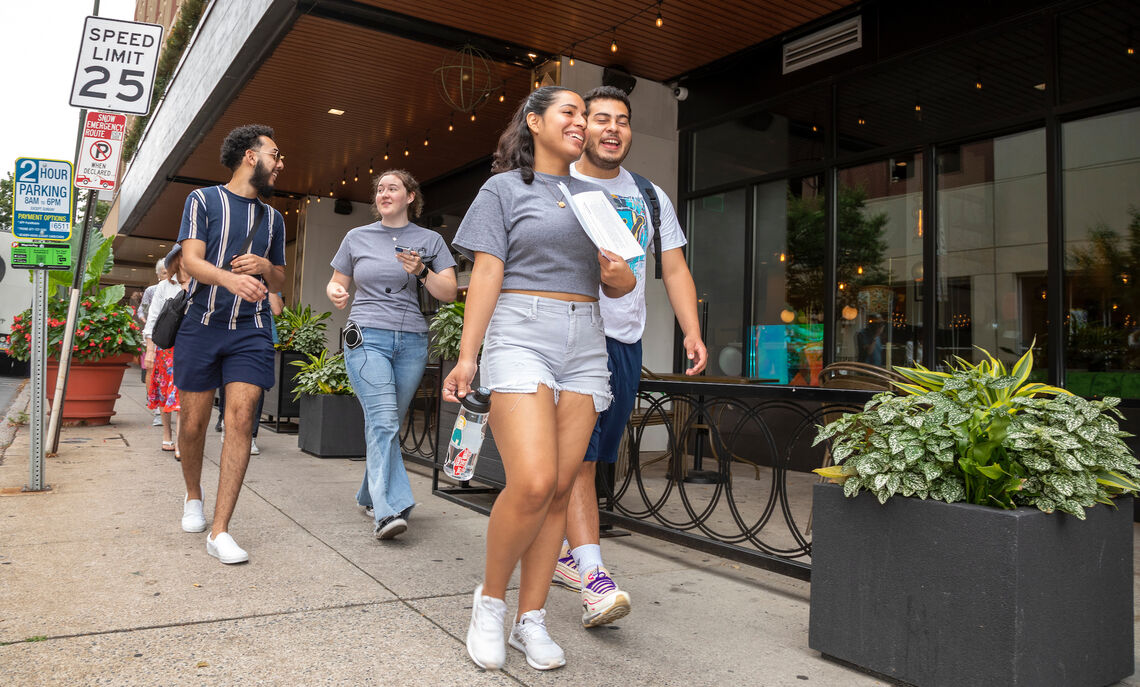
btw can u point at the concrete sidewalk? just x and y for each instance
(98, 584)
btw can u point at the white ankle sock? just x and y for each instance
(587, 557)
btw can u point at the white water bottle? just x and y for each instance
(467, 436)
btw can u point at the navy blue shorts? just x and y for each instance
(206, 358)
(625, 375)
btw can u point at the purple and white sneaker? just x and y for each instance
(602, 601)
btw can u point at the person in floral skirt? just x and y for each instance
(161, 394)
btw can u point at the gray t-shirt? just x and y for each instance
(542, 246)
(386, 296)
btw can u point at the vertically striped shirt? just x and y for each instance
(223, 220)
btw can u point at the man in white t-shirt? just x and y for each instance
(608, 138)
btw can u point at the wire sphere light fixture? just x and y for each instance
(467, 79)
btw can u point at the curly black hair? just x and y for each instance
(240, 140)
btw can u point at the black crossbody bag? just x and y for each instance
(169, 319)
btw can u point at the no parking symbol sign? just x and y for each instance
(100, 151)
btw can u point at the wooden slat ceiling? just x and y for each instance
(386, 86)
(692, 34)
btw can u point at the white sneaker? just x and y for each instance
(529, 636)
(193, 519)
(253, 449)
(225, 549)
(485, 633)
(157, 421)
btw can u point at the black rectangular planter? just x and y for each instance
(934, 594)
(332, 426)
(279, 401)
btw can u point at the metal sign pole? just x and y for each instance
(68, 341)
(39, 375)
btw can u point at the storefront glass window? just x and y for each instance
(716, 230)
(1101, 163)
(879, 263)
(1099, 50)
(785, 341)
(783, 135)
(993, 250)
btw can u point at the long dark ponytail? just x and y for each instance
(516, 145)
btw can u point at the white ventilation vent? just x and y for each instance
(824, 44)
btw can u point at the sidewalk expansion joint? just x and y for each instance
(406, 602)
(189, 623)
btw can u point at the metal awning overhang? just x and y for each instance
(285, 62)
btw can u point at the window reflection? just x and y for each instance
(1102, 254)
(786, 337)
(879, 263)
(716, 225)
(993, 249)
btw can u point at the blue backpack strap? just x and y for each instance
(650, 195)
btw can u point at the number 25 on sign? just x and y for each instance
(116, 65)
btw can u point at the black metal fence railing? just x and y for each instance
(721, 468)
(724, 468)
(419, 433)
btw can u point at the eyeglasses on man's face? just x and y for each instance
(276, 154)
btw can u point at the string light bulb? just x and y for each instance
(659, 21)
(344, 177)
(613, 43)
(472, 116)
(308, 200)
(385, 151)
(451, 122)
(917, 109)
(356, 175)
(427, 137)
(572, 54)
(370, 166)
(406, 151)
(503, 95)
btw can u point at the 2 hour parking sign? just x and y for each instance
(41, 206)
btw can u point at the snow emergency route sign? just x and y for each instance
(41, 205)
(116, 65)
(99, 153)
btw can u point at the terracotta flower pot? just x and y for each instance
(92, 389)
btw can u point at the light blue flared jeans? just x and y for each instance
(385, 372)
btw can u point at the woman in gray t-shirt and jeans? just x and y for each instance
(386, 259)
(533, 293)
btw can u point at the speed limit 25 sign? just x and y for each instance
(116, 65)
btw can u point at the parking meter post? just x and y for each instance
(79, 267)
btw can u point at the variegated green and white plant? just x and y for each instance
(986, 435)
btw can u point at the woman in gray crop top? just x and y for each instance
(533, 294)
(386, 343)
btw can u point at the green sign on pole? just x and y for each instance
(41, 256)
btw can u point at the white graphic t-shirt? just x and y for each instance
(625, 316)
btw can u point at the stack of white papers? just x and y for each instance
(602, 223)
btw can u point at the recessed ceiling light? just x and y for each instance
(150, 255)
(334, 111)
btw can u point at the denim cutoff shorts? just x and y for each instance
(532, 340)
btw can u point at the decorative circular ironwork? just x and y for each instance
(467, 79)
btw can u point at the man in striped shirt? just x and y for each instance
(225, 338)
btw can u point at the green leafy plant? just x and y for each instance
(104, 327)
(447, 330)
(323, 374)
(984, 435)
(301, 331)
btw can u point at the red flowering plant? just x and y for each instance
(104, 328)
